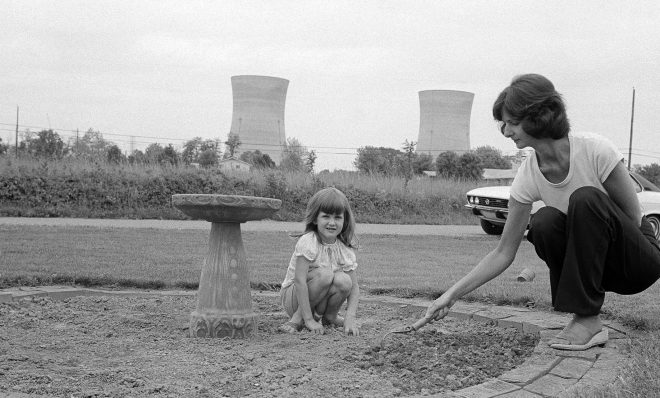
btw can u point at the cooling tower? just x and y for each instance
(258, 114)
(444, 121)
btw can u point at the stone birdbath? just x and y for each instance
(224, 302)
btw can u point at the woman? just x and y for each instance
(591, 233)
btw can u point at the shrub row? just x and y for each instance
(94, 191)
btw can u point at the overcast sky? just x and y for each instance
(160, 71)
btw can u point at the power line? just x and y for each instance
(251, 146)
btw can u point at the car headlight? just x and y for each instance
(476, 200)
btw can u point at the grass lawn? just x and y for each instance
(405, 266)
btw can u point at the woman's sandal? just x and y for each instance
(290, 327)
(570, 337)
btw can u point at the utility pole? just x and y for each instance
(16, 131)
(632, 118)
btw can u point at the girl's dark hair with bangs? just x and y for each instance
(532, 100)
(332, 201)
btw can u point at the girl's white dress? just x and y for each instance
(335, 256)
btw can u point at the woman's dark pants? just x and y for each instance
(593, 249)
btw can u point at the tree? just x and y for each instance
(491, 158)
(293, 155)
(650, 171)
(153, 153)
(257, 159)
(46, 144)
(208, 158)
(3, 147)
(447, 164)
(193, 150)
(91, 145)
(169, 156)
(114, 154)
(470, 166)
(311, 161)
(379, 160)
(137, 157)
(409, 150)
(232, 143)
(423, 162)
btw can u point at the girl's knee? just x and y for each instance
(342, 282)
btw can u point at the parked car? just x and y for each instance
(491, 204)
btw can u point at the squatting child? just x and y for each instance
(322, 271)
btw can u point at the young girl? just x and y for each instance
(322, 270)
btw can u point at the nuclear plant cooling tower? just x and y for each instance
(258, 114)
(444, 121)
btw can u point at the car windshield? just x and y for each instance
(646, 184)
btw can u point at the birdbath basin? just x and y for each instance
(224, 301)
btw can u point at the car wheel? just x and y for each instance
(655, 223)
(491, 229)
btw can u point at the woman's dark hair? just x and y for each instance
(532, 100)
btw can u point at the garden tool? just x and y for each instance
(405, 329)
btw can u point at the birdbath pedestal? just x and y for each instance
(224, 302)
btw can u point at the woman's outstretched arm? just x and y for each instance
(493, 264)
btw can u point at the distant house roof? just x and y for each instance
(234, 164)
(234, 160)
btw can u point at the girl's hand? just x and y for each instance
(351, 327)
(314, 326)
(439, 308)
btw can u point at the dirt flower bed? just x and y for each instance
(104, 346)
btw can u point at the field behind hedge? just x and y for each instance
(75, 188)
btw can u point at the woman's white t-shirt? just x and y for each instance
(592, 159)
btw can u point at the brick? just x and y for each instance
(550, 385)
(486, 315)
(490, 388)
(520, 394)
(61, 294)
(548, 323)
(21, 294)
(599, 377)
(572, 368)
(533, 368)
(513, 322)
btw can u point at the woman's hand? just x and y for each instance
(439, 308)
(351, 327)
(314, 326)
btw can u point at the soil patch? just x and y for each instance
(103, 346)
